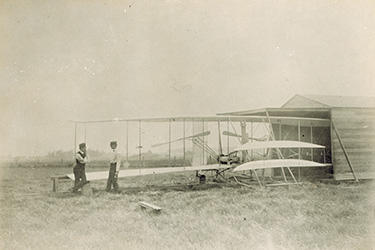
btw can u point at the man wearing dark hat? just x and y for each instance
(79, 168)
(114, 168)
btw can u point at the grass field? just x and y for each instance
(220, 216)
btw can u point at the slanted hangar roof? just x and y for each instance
(310, 109)
(329, 101)
(322, 113)
(309, 106)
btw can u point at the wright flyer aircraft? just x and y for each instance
(265, 148)
(308, 136)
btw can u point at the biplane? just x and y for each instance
(241, 158)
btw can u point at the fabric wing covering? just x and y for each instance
(277, 163)
(277, 144)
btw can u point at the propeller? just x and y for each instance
(231, 134)
(205, 133)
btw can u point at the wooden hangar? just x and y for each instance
(345, 125)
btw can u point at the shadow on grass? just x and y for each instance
(170, 188)
(65, 194)
(151, 188)
(183, 187)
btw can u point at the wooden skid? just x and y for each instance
(242, 183)
(148, 171)
(283, 184)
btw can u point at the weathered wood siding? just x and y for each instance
(356, 127)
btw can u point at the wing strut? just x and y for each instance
(278, 150)
(220, 145)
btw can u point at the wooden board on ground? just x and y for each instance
(145, 205)
(55, 181)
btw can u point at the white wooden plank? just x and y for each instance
(148, 205)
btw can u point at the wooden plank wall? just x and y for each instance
(356, 127)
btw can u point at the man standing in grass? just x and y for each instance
(79, 168)
(114, 168)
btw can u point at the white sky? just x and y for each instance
(67, 60)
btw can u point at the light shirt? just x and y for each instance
(115, 158)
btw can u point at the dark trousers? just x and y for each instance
(79, 177)
(112, 178)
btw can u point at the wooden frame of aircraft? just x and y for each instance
(224, 162)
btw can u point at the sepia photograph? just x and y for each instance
(186, 124)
